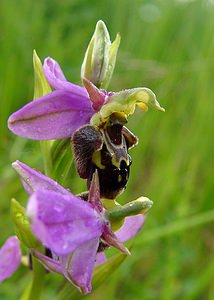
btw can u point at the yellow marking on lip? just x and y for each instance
(96, 159)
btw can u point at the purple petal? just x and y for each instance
(57, 80)
(49, 263)
(61, 222)
(80, 266)
(54, 116)
(33, 180)
(130, 227)
(100, 258)
(10, 257)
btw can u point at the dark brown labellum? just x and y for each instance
(104, 149)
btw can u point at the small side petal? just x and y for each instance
(62, 223)
(80, 266)
(111, 239)
(94, 193)
(130, 227)
(10, 257)
(53, 116)
(97, 97)
(34, 180)
(57, 80)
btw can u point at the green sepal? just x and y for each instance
(41, 86)
(22, 225)
(101, 273)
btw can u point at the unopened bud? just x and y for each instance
(100, 57)
(138, 206)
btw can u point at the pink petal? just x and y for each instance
(80, 266)
(49, 263)
(77, 267)
(130, 228)
(33, 180)
(54, 116)
(61, 222)
(57, 80)
(10, 257)
(111, 239)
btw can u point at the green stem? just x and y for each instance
(45, 148)
(37, 281)
(34, 289)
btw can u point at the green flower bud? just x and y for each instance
(100, 57)
(117, 213)
(22, 225)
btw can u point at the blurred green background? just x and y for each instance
(167, 46)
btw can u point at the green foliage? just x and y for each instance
(167, 46)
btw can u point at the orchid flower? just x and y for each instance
(10, 257)
(58, 114)
(90, 115)
(70, 227)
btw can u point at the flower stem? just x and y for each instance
(35, 289)
(45, 148)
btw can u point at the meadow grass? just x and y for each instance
(167, 46)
